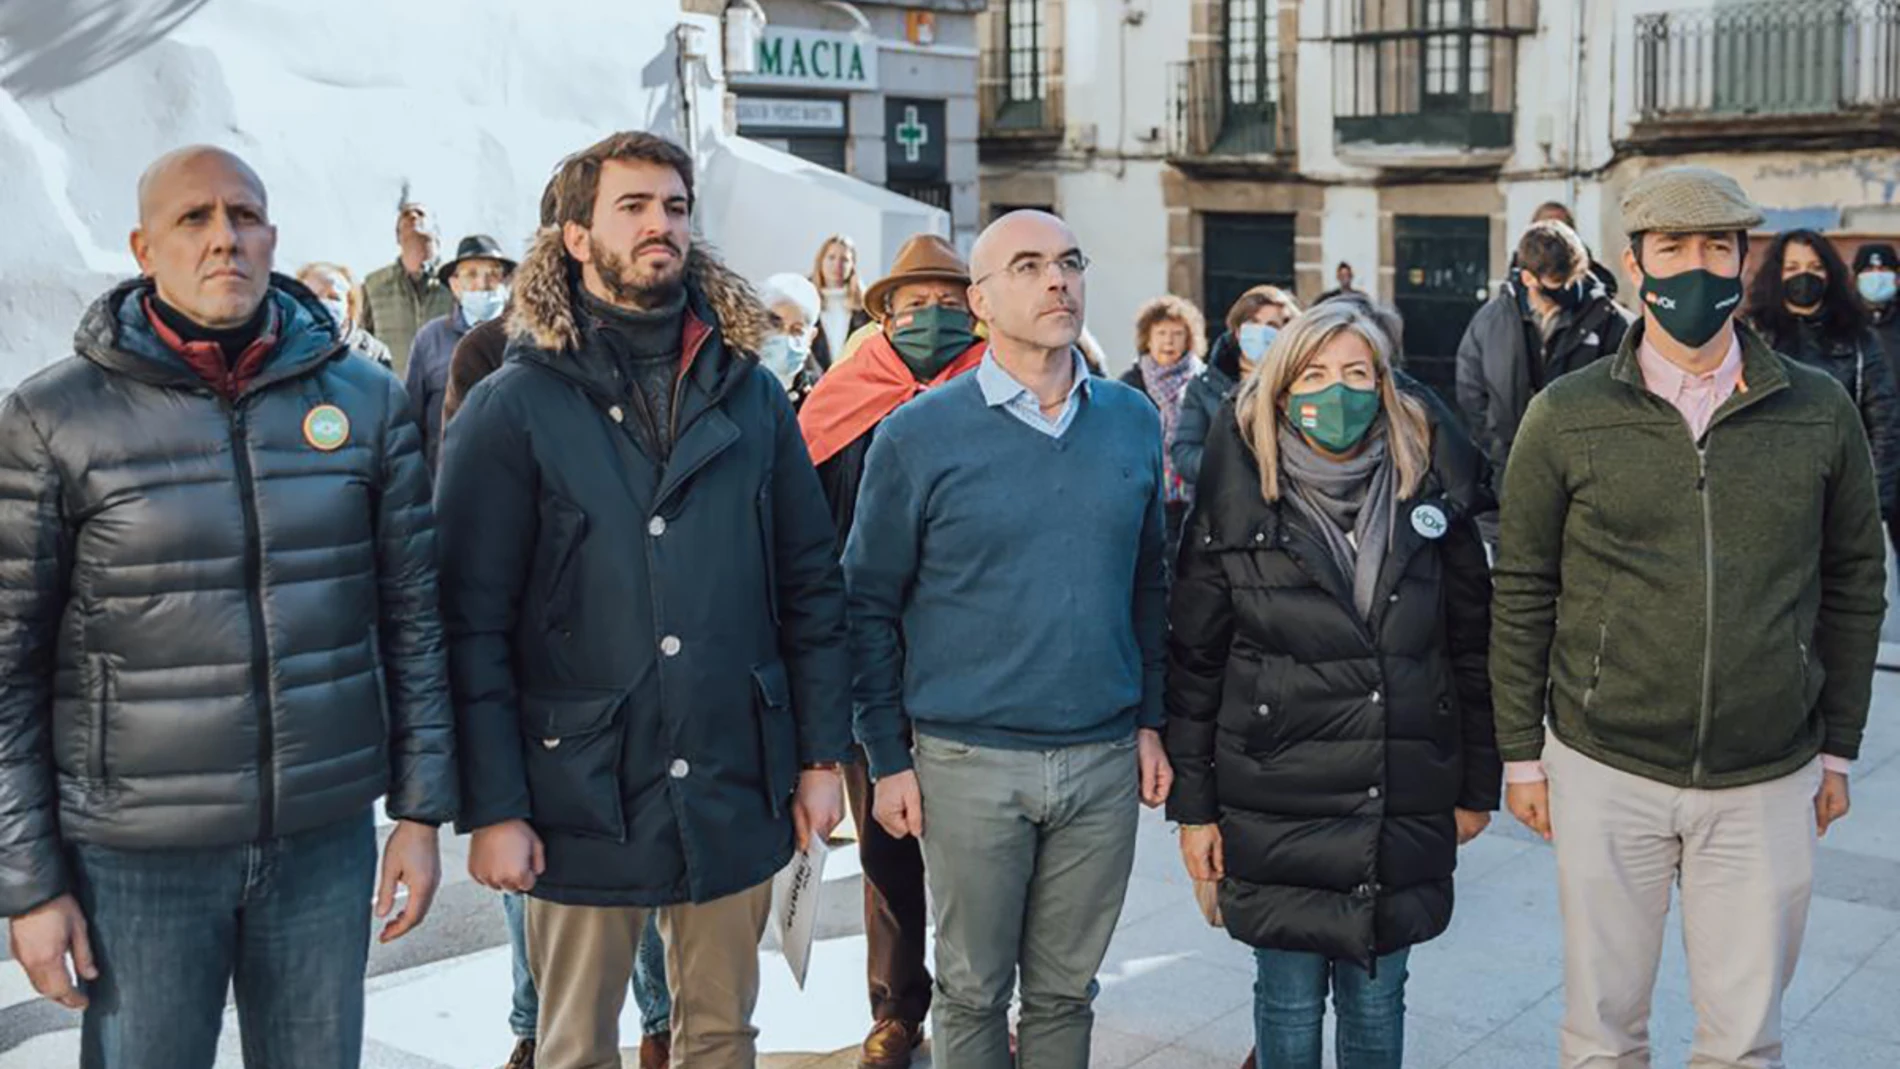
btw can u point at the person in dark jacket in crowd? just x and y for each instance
(220, 647)
(1329, 717)
(1170, 337)
(1252, 323)
(1689, 596)
(1343, 276)
(333, 285)
(478, 355)
(400, 298)
(1804, 303)
(842, 309)
(478, 277)
(1007, 602)
(1875, 267)
(1551, 317)
(929, 339)
(671, 758)
(1556, 211)
(786, 352)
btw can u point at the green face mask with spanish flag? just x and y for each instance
(1336, 418)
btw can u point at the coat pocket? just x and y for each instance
(778, 735)
(574, 756)
(96, 738)
(563, 529)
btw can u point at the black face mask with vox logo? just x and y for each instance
(1692, 306)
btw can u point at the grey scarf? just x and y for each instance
(1357, 496)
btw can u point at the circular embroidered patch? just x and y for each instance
(1429, 521)
(326, 428)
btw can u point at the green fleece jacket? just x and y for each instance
(1703, 614)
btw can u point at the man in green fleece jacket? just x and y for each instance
(1690, 588)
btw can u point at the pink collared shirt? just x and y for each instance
(1697, 397)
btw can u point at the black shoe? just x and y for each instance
(523, 1057)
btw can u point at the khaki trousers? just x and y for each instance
(582, 958)
(1744, 859)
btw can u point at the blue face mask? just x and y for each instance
(1256, 339)
(480, 306)
(1876, 287)
(783, 355)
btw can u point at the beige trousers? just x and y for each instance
(582, 958)
(1744, 859)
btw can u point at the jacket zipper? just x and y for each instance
(254, 602)
(1708, 609)
(1596, 666)
(96, 750)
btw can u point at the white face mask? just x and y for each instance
(480, 306)
(783, 355)
(339, 311)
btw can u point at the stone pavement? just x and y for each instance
(1175, 993)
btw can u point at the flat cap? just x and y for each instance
(1687, 200)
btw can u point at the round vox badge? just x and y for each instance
(327, 428)
(1429, 520)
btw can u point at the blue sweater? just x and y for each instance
(1006, 587)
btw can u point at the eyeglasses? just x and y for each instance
(1032, 268)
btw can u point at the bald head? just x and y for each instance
(190, 165)
(1026, 229)
(204, 235)
(1030, 287)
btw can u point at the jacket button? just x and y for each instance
(670, 646)
(1263, 710)
(656, 526)
(1374, 697)
(679, 769)
(1394, 599)
(1372, 792)
(616, 414)
(550, 744)
(1259, 537)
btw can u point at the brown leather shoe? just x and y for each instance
(1249, 1063)
(890, 1045)
(656, 1050)
(523, 1057)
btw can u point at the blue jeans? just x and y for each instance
(1289, 1010)
(285, 922)
(649, 975)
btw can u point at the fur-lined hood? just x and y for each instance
(542, 310)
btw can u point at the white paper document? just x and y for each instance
(795, 906)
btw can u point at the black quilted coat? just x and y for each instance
(211, 631)
(1331, 750)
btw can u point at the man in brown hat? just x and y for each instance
(928, 338)
(1704, 511)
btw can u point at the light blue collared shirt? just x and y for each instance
(1001, 390)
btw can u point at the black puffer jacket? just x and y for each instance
(1331, 751)
(211, 631)
(643, 651)
(1859, 364)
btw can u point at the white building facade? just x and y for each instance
(1413, 139)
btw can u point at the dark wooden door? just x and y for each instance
(1240, 252)
(1441, 278)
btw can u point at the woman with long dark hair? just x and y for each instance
(1803, 301)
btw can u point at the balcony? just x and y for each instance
(1426, 84)
(1218, 121)
(1019, 92)
(1790, 73)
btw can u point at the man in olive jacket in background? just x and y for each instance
(218, 646)
(1704, 511)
